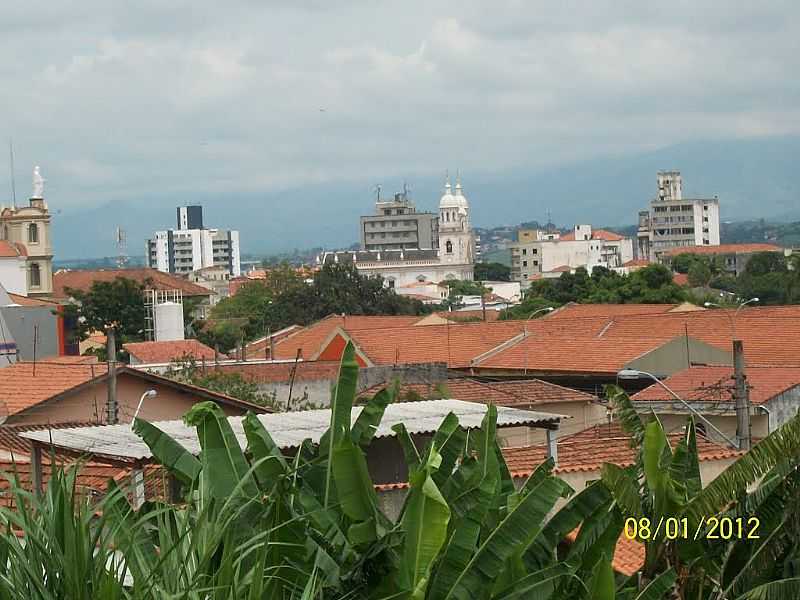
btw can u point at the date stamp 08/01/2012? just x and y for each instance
(710, 528)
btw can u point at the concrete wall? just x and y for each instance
(22, 320)
(89, 404)
(582, 415)
(14, 275)
(677, 355)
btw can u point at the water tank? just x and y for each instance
(169, 321)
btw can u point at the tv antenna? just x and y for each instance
(378, 192)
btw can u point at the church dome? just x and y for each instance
(448, 200)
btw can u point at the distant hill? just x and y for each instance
(753, 178)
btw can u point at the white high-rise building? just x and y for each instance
(674, 221)
(191, 246)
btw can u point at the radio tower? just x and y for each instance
(122, 254)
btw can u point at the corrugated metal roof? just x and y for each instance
(288, 429)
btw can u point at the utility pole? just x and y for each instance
(742, 396)
(112, 415)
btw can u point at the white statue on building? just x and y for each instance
(38, 184)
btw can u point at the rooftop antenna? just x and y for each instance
(405, 190)
(378, 192)
(11, 166)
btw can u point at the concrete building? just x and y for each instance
(396, 225)
(674, 221)
(192, 246)
(26, 249)
(216, 278)
(732, 258)
(453, 258)
(541, 254)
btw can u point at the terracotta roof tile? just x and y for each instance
(597, 234)
(456, 344)
(587, 450)
(23, 385)
(681, 279)
(573, 310)
(164, 352)
(82, 280)
(12, 249)
(637, 262)
(628, 557)
(716, 384)
(260, 348)
(724, 249)
(26, 301)
(311, 338)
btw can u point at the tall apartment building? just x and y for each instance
(191, 246)
(674, 221)
(542, 254)
(396, 225)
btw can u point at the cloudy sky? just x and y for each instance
(118, 99)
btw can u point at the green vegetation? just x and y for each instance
(285, 299)
(768, 276)
(309, 525)
(651, 285)
(492, 271)
(119, 302)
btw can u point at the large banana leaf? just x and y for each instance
(784, 589)
(782, 445)
(269, 462)
(425, 519)
(225, 469)
(341, 410)
(410, 453)
(450, 441)
(539, 585)
(370, 417)
(512, 536)
(601, 585)
(659, 587)
(624, 487)
(626, 414)
(168, 452)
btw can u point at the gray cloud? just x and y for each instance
(116, 100)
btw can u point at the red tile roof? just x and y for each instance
(311, 338)
(716, 384)
(456, 344)
(724, 249)
(570, 355)
(514, 394)
(26, 301)
(637, 262)
(574, 310)
(561, 269)
(587, 451)
(164, 352)
(771, 335)
(21, 388)
(82, 280)
(12, 249)
(463, 315)
(260, 348)
(628, 557)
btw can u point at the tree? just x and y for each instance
(492, 271)
(119, 302)
(699, 274)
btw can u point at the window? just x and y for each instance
(33, 233)
(36, 276)
(449, 247)
(535, 251)
(524, 263)
(524, 251)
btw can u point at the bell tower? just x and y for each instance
(456, 244)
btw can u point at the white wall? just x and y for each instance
(14, 276)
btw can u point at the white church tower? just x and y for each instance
(456, 245)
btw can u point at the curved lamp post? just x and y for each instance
(630, 374)
(147, 394)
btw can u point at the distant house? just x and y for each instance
(69, 391)
(166, 352)
(150, 278)
(732, 257)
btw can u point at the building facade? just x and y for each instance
(191, 246)
(543, 254)
(452, 258)
(26, 231)
(396, 225)
(674, 221)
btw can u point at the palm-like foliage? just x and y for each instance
(762, 484)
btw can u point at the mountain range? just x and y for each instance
(754, 178)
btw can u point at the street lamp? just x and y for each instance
(735, 313)
(147, 394)
(547, 309)
(630, 374)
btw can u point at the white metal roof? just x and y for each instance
(288, 429)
